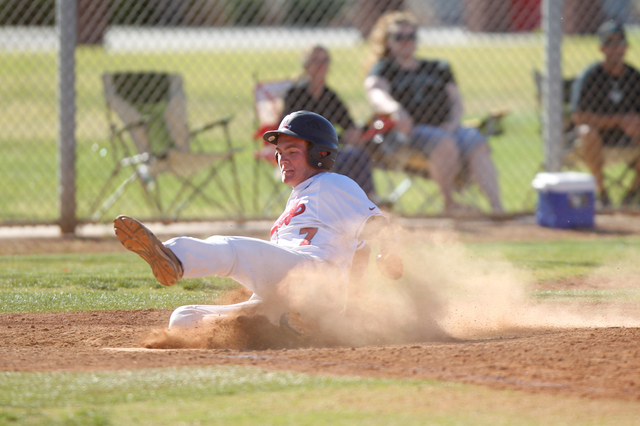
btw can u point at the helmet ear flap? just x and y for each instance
(319, 161)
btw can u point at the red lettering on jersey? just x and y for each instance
(311, 232)
(285, 218)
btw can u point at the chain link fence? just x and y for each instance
(166, 116)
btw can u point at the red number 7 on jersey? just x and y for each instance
(309, 234)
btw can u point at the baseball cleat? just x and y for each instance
(136, 237)
(294, 325)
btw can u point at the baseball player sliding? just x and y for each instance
(327, 219)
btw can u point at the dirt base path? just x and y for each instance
(595, 363)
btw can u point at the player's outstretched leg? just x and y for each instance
(136, 237)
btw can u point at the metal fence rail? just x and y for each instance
(63, 140)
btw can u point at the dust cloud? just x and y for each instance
(447, 293)
(450, 293)
(480, 297)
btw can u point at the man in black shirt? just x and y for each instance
(605, 104)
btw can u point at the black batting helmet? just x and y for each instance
(311, 127)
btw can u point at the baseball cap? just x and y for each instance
(610, 29)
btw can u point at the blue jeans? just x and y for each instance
(425, 138)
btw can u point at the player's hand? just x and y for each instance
(390, 265)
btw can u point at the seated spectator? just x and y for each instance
(311, 93)
(422, 98)
(605, 103)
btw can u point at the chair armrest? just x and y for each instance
(133, 125)
(221, 122)
(491, 124)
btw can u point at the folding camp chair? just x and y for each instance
(150, 137)
(268, 105)
(627, 156)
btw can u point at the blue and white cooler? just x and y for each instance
(565, 199)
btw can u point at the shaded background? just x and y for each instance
(222, 48)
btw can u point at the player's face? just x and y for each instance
(292, 160)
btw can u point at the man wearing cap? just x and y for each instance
(328, 218)
(605, 104)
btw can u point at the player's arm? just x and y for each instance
(388, 261)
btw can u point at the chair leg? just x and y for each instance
(400, 189)
(234, 171)
(274, 191)
(153, 196)
(135, 161)
(103, 190)
(634, 189)
(275, 195)
(223, 187)
(97, 215)
(197, 190)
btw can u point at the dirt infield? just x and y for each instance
(595, 362)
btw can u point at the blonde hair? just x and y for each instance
(380, 32)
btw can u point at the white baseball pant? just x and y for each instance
(256, 264)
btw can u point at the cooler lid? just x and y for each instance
(564, 182)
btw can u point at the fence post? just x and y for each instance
(66, 17)
(552, 86)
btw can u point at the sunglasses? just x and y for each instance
(412, 36)
(320, 61)
(615, 42)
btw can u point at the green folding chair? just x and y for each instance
(150, 137)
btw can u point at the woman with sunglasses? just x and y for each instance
(422, 99)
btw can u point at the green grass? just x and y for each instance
(568, 261)
(247, 396)
(628, 294)
(493, 75)
(87, 282)
(568, 258)
(82, 282)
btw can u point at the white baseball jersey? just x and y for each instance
(323, 217)
(322, 220)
